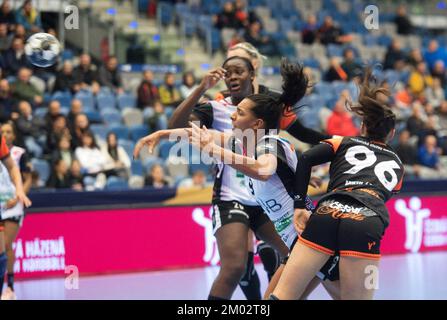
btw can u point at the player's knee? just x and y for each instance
(235, 272)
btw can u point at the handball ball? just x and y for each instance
(42, 49)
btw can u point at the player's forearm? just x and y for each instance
(16, 179)
(319, 154)
(180, 117)
(27, 181)
(305, 134)
(259, 170)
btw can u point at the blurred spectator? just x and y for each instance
(403, 23)
(152, 9)
(415, 57)
(430, 128)
(419, 79)
(406, 150)
(245, 16)
(7, 104)
(340, 122)
(23, 89)
(440, 72)
(395, 57)
(264, 43)
(415, 122)
(27, 124)
(63, 151)
(350, 65)
(434, 53)
(59, 177)
(330, 33)
(65, 79)
(7, 16)
(169, 94)
(81, 126)
(86, 75)
(54, 110)
(119, 162)
(20, 32)
(58, 130)
(335, 71)
(90, 157)
(76, 176)
(28, 17)
(35, 181)
(442, 116)
(198, 180)
(14, 58)
(110, 76)
(159, 120)
(156, 178)
(227, 18)
(309, 34)
(435, 93)
(147, 92)
(75, 109)
(189, 84)
(5, 38)
(404, 98)
(428, 153)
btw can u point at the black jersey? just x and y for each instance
(366, 170)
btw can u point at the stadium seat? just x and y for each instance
(127, 146)
(100, 130)
(43, 168)
(138, 132)
(111, 118)
(105, 101)
(136, 168)
(132, 117)
(40, 112)
(177, 166)
(86, 98)
(115, 183)
(122, 132)
(136, 182)
(165, 148)
(63, 97)
(93, 116)
(126, 101)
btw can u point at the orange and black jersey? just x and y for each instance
(4, 150)
(366, 170)
(289, 120)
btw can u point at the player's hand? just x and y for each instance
(150, 141)
(300, 218)
(23, 199)
(11, 203)
(201, 138)
(315, 182)
(212, 78)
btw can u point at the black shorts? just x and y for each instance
(17, 219)
(329, 271)
(343, 225)
(225, 212)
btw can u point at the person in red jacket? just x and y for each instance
(340, 122)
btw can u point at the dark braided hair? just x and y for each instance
(295, 84)
(373, 107)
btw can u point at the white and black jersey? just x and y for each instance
(276, 195)
(229, 184)
(7, 187)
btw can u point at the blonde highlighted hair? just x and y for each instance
(252, 52)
